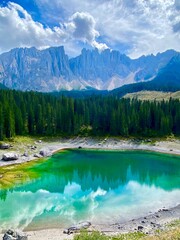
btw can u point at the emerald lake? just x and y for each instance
(95, 185)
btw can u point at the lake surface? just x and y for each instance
(99, 186)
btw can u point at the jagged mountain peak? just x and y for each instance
(51, 69)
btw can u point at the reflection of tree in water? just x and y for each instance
(107, 170)
(3, 195)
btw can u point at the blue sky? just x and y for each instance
(134, 27)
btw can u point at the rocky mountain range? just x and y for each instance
(52, 70)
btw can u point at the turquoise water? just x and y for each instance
(99, 186)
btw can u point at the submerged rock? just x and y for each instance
(14, 235)
(78, 227)
(10, 156)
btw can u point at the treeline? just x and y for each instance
(157, 84)
(31, 113)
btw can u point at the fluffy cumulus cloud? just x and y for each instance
(82, 27)
(134, 27)
(18, 29)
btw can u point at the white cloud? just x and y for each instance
(82, 25)
(18, 29)
(99, 46)
(144, 26)
(135, 26)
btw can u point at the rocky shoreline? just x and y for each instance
(148, 224)
(38, 149)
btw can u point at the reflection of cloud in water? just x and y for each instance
(22, 208)
(134, 200)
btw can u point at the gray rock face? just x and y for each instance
(14, 235)
(45, 153)
(37, 155)
(51, 69)
(31, 69)
(25, 154)
(33, 147)
(10, 156)
(4, 146)
(78, 227)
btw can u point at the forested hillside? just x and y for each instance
(167, 80)
(31, 113)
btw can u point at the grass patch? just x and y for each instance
(21, 140)
(153, 95)
(95, 235)
(175, 223)
(172, 233)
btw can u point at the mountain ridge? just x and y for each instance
(168, 79)
(52, 70)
